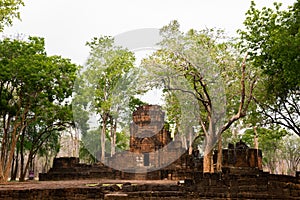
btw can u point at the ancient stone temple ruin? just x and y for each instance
(152, 155)
(148, 132)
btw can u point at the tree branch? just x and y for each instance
(242, 109)
(266, 109)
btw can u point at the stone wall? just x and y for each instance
(70, 169)
(245, 183)
(233, 183)
(247, 157)
(183, 167)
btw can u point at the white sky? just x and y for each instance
(67, 25)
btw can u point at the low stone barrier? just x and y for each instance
(243, 184)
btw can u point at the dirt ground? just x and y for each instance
(74, 183)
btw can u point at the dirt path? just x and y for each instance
(74, 184)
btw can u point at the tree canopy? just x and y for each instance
(9, 11)
(202, 65)
(272, 39)
(34, 89)
(103, 88)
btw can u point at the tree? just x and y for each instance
(41, 134)
(290, 153)
(203, 62)
(181, 114)
(48, 151)
(103, 85)
(272, 39)
(280, 149)
(9, 11)
(89, 149)
(269, 141)
(33, 90)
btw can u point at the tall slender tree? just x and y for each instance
(104, 83)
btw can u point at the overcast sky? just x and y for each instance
(67, 25)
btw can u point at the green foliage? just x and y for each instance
(45, 145)
(27, 70)
(106, 70)
(9, 11)
(173, 110)
(85, 155)
(105, 90)
(134, 103)
(269, 141)
(271, 36)
(34, 89)
(290, 153)
(267, 138)
(88, 147)
(122, 141)
(230, 136)
(281, 150)
(272, 39)
(198, 70)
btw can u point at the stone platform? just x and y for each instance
(233, 183)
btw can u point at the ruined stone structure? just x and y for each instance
(241, 178)
(240, 155)
(148, 132)
(152, 154)
(233, 184)
(152, 146)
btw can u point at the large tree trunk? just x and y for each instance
(15, 165)
(17, 129)
(113, 135)
(45, 165)
(22, 156)
(190, 141)
(103, 131)
(220, 155)
(255, 138)
(208, 165)
(25, 169)
(208, 162)
(7, 165)
(4, 146)
(12, 169)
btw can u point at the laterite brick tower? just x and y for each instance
(147, 131)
